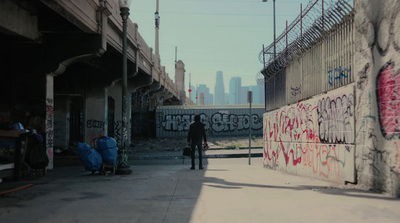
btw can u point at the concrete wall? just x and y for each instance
(377, 69)
(174, 122)
(313, 138)
(351, 133)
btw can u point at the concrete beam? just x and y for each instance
(15, 19)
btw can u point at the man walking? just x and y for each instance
(194, 139)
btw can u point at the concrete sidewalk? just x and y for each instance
(227, 190)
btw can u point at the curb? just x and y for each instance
(175, 157)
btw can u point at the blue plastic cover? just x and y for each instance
(18, 126)
(109, 155)
(106, 143)
(91, 159)
(107, 146)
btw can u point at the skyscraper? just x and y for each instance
(243, 95)
(208, 98)
(235, 85)
(193, 94)
(256, 94)
(219, 89)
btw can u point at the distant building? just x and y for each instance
(243, 95)
(219, 89)
(235, 85)
(193, 93)
(261, 92)
(258, 94)
(226, 98)
(208, 98)
(180, 78)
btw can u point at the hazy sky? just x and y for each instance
(213, 35)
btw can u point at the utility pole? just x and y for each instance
(123, 167)
(250, 100)
(157, 18)
(190, 86)
(274, 28)
(176, 55)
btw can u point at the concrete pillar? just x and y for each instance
(377, 72)
(61, 122)
(49, 121)
(95, 118)
(115, 92)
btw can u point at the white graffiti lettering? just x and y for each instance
(335, 119)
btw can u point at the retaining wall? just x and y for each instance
(313, 138)
(174, 122)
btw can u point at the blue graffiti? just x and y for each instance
(338, 73)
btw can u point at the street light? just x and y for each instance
(274, 29)
(123, 167)
(157, 19)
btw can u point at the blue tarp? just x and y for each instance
(91, 159)
(107, 146)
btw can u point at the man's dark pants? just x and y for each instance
(199, 148)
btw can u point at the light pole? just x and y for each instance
(123, 167)
(274, 28)
(157, 18)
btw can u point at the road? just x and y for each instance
(227, 190)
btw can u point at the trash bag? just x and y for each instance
(107, 146)
(35, 154)
(90, 158)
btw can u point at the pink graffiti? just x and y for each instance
(388, 93)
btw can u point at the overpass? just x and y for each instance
(61, 69)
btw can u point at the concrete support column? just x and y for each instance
(95, 118)
(61, 122)
(115, 92)
(49, 121)
(106, 111)
(157, 98)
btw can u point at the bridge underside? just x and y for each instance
(58, 71)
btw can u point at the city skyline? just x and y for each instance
(210, 36)
(235, 90)
(219, 89)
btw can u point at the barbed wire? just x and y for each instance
(309, 28)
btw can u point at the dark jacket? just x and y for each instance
(196, 132)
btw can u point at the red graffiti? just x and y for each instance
(290, 140)
(388, 93)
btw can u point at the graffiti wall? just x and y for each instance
(174, 122)
(377, 69)
(314, 137)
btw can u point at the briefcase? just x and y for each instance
(187, 151)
